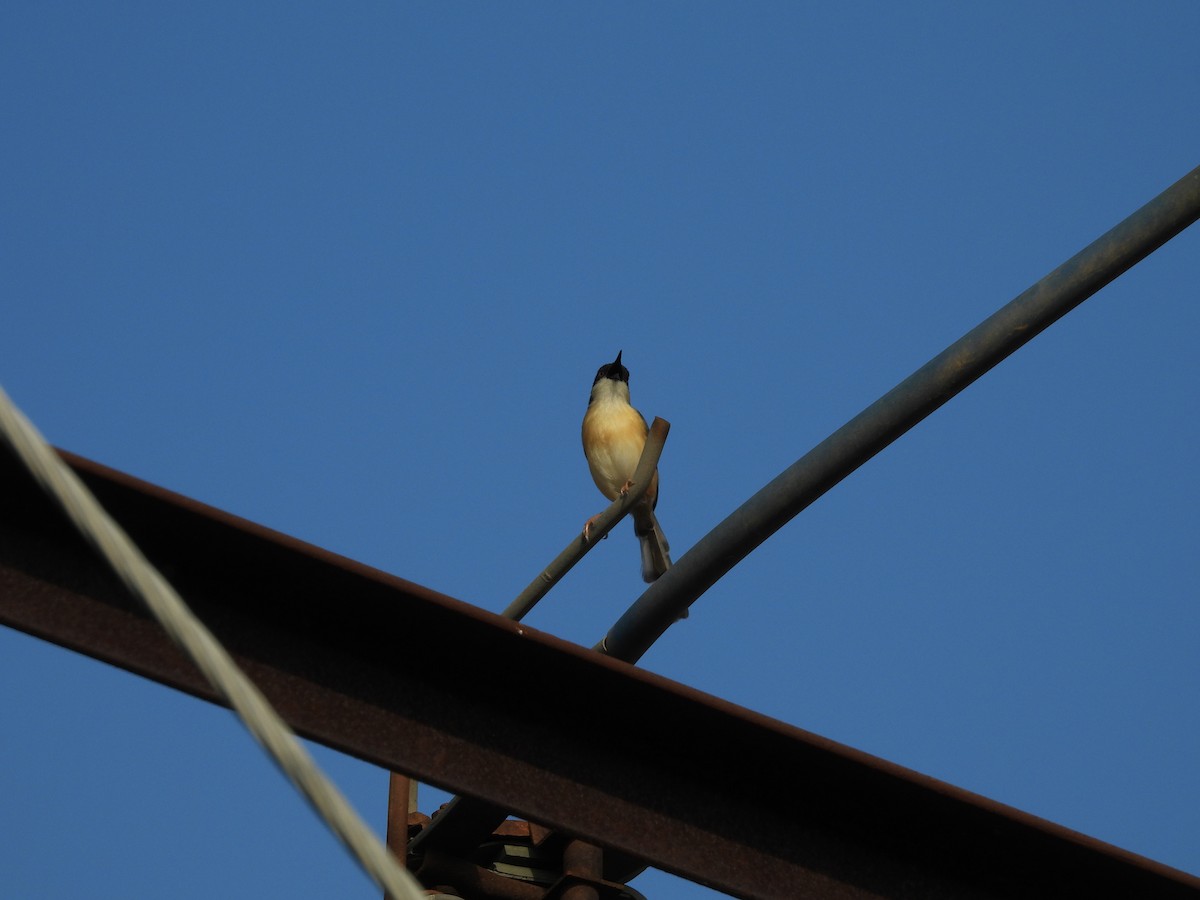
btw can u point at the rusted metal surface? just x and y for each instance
(583, 864)
(694, 785)
(399, 793)
(542, 862)
(451, 873)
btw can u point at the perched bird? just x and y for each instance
(614, 434)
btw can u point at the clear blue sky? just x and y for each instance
(348, 270)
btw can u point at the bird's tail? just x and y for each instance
(656, 552)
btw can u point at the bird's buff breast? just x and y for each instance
(616, 438)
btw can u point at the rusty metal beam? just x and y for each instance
(493, 709)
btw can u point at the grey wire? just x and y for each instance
(209, 656)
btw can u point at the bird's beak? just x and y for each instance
(617, 361)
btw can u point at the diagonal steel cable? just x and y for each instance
(210, 657)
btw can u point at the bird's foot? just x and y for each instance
(625, 488)
(587, 526)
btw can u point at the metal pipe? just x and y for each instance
(585, 861)
(897, 411)
(401, 789)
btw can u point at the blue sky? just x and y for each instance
(348, 271)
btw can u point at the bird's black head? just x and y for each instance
(613, 370)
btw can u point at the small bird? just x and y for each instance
(614, 434)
